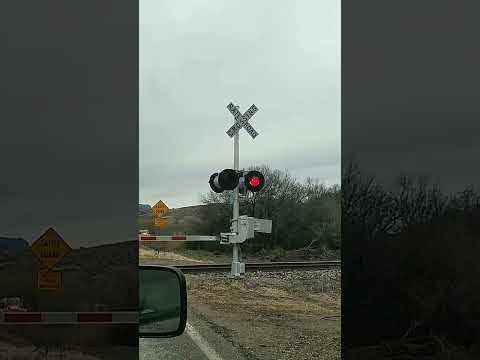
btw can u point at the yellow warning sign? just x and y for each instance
(160, 209)
(49, 280)
(161, 222)
(50, 248)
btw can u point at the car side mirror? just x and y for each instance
(163, 301)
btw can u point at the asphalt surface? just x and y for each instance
(200, 341)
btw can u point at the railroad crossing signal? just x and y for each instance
(229, 179)
(242, 227)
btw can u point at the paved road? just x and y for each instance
(180, 347)
(198, 342)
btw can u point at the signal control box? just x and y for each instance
(247, 227)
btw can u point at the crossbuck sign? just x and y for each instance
(242, 120)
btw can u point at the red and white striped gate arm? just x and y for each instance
(147, 237)
(28, 318)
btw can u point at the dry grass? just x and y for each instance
(262, 296)
(146, 254)
(182, 256)
(166, 252)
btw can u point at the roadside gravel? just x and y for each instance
(272, 315)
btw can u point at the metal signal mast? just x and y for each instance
(242, 227)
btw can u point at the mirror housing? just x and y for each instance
(162, 301)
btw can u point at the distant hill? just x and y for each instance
(183, 220)
(12, 246)
(144, 209)
(105, 274)
(93, 259)
(194, 210)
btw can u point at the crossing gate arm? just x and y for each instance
(160, 238)
(98, 317)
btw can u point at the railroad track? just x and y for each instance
(266, 266)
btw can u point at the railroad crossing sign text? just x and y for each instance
(242, 120)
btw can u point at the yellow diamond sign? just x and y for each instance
(50, 248)
(160, 209)
(161, 222)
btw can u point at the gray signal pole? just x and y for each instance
(241, 121)
(236, 207)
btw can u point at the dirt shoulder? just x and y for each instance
(289, 315)
(163, 256)
(186, 257)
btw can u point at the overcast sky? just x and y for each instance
(197, 56)
(410, 87)
(68, 134)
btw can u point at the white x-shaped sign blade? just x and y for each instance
(242, 120)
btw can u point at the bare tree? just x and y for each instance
(366, 206)
(417, 203)
(467, 199)
(292, 206)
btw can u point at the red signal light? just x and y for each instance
(254, 181)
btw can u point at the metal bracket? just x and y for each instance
(225, 237)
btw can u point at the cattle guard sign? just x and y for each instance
(50, 248)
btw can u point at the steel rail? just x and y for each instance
(266, 266)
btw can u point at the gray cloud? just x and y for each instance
(195, 58)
